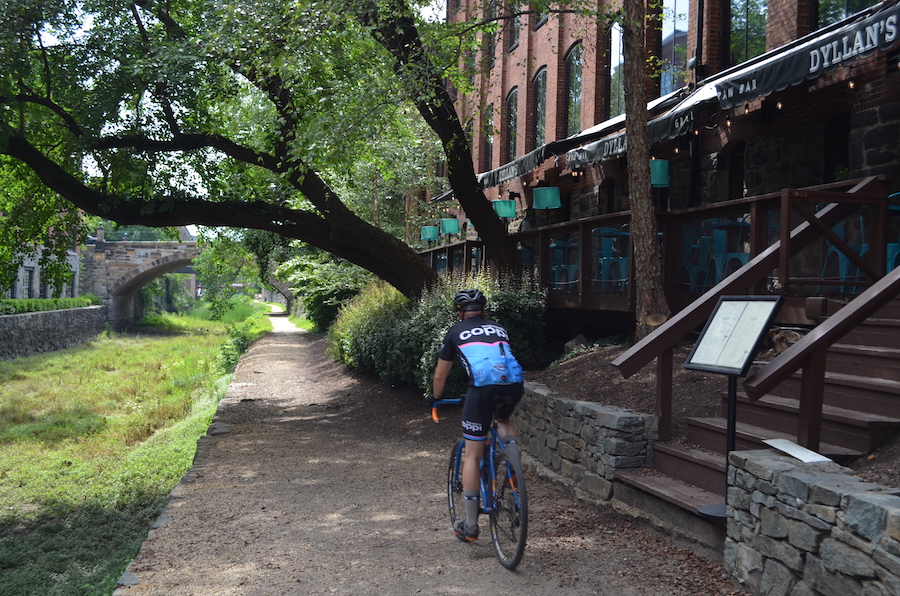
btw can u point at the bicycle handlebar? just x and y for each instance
(443, 402)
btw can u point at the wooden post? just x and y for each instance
(812, 389)
(664, 393)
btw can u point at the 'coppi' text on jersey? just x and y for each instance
(485, 331)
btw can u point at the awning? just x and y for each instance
(516, 168)
(444, 196)
(521, 166)
(679, 120)
(809, 57)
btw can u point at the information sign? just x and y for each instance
(733, 334)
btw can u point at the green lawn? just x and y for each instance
(92, 440)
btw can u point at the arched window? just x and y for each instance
(539, 115)
(488, 125)
(489, 41)
(512, 119)
(573, 79)
(514, 23)
(747, 37)
(616, 59)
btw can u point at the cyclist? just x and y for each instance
(483, 346)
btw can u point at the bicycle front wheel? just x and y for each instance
(509, 515)
(455, 500)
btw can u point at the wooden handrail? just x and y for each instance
(809, 354)
(660, 342)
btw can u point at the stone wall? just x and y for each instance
(581, 441)
(809, 529)
(47, 331)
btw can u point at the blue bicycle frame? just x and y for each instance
(485, 465)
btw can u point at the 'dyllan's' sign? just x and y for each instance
(812, 58)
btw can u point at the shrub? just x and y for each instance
(11, 306)
(381, 332)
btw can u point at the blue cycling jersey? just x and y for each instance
(483, 347)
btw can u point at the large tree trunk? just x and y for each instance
(650, 298)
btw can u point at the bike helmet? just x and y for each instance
(469, 300)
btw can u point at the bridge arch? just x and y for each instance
(123, 290)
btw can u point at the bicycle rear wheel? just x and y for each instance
(509, 515)
(455, 500)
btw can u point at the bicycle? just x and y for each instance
(503, 495)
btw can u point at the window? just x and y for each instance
(837, 149)
(489, 138)
(512, 118)
(730, 166)
(573, 70)
(616, 55)
(539, 117)
(748, 30)
(29, 283)
(514, 24)
(673, 48)
(489, 42)
(832, 11)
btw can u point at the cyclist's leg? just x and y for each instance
(505, 426)
(475, 430)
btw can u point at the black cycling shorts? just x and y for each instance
(479, 408)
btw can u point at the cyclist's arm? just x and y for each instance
(440, 376)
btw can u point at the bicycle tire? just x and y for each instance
(509, 515)
(455, 500)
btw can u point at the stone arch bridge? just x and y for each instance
(116, 271)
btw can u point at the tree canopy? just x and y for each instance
(236, 114)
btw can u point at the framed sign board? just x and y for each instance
(733, 334)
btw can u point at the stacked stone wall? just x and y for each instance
(583, 442)
(809, 529)
(48, 331)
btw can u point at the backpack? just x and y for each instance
(498, 370)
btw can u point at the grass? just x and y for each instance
(92, 440)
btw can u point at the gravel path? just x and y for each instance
(315, 480)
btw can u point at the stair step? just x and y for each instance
(669, 489)
(709, 433)
(871, 361)
(851, 392)
(874, 332)
(697, 467)
(859, 431)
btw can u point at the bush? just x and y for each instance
(12, 306)
(381, 332)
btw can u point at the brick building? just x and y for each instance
(551, 83)
(751, 98)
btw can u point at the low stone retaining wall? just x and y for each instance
(809, 529)
(47, 331)
(581, 441)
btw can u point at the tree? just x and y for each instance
(650, 301)
(166, 114)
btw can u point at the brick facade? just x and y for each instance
(794, 137)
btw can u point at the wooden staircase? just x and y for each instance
(861, 412)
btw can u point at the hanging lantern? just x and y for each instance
(450, 226)
(659, 173)
(546, 197)
(505, 207)
(429, 233)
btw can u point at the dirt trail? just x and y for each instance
(315, 480)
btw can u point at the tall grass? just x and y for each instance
(92, 440)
